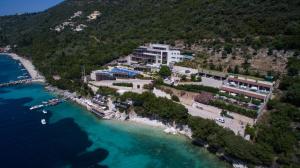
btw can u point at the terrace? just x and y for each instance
(260, 87)
(238, 91)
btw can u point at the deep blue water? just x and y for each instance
(10, 69)
(11, 7)
(74, 137)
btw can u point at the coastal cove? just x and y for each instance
(74, 137)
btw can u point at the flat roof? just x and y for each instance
(244, 92)
(251, 81)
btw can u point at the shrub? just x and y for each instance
(250, 131)
(230, 144)
(197, 88)
(157, 107)
(175, 98)
(183, 77)
(195, 78)
(107, 90)
(234, 108)
(165, 71)
(123, 84)
(148, 86)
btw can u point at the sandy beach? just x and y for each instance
(35, 74)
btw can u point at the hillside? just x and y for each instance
(262, 33)
(124, 24)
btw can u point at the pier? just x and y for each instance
(23, 81)
(51, 102)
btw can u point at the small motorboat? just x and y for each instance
(43, 121)
(36, 107)
(45, 111)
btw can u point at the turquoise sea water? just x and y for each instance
(73, 137)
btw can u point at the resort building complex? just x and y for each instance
(113, 73)
(157, 54)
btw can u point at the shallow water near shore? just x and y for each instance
(73, 137)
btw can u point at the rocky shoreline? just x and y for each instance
(122, 116)
(115, 115)
(133, 117)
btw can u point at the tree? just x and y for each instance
(236, 69)
(212, 66)
(293, 94)
(251, 131)
(228, 48)
(165, 71)
(175, 98)
(229, 70)
(183, 77)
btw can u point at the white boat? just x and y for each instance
(45, 111)
(43, 121)
(36, 107)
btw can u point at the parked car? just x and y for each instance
(221, 120)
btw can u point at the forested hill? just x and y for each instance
(124, 24)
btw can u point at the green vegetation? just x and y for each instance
(280, 133)
(236, 69)
(293, 66)
(195, 78)
(126, 24)
(165, 71)
(175, 98)
(280, 128)
(224, 113)
(148, 86)
(234, 108)
(73, 86)
(241, 98)
(291, 83)
(123, 84)
(224, 141)
(273, 140)
(148, 105)
(196, 88)
(183, 78)
(250, 131)
(107, 91)
(293, 94)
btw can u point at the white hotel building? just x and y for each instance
(157, 54)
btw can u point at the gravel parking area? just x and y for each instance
(237, 125)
